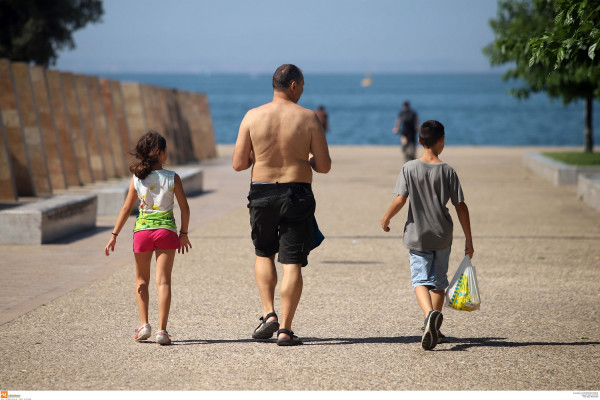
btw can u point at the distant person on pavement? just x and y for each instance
(407, 125)
(277, 140)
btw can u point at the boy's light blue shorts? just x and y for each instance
(430, 268)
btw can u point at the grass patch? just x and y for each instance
(576, 158)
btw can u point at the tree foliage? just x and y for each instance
(35, 30)
(568, 49)
(553, 45)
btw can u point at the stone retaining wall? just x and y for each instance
(61, 130)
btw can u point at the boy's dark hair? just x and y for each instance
(285, 75)
(147, 151)
(430, 133)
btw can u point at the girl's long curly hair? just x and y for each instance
(147, 150)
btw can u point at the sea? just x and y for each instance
(476, 109)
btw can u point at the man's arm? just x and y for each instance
(242, 153)
(397, 125)
(463, 216)
(320, 161)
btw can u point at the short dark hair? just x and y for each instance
(430, 133)
(285, 75)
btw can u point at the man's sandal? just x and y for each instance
(265, 330)
(292, 341)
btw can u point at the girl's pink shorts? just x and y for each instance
(152, 239)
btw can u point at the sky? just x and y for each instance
(256, 36)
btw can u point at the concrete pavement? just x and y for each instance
(69, 313)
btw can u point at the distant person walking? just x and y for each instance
(323, 117)
(155, 230)
(276, 140)
(407, 125)
(430, 183)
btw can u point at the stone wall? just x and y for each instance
(61, 130)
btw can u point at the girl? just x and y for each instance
(155, 229)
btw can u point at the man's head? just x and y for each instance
(289, 79)
(430, 133)
(406, 105)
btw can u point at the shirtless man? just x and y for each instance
(277, 140)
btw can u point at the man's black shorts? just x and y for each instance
(281, 217)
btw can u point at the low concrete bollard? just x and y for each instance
(588, 189)
(111, 197)
(48, 220)
(558, 173)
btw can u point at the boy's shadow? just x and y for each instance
(457, 344)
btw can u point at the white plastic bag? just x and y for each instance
(463, 292)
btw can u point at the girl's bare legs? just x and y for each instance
(164, 267)
(142, 278)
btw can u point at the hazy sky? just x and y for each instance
(258, 35)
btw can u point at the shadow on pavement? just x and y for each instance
(457, 344)
(462, 344)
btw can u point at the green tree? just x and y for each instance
(35, 30)
(552, 45)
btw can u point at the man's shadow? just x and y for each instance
(457, 344)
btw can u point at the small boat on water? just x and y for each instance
(367, 81)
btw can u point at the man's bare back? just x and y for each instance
(280, 136)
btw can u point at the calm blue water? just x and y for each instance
(475, 108)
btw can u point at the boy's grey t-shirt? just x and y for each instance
(428, 187)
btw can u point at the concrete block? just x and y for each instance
(207, 130)
(192, 115)
(167, 130)
(8, 188)
(77, 130)
(173, 125)
(558, 173)
(134, 109)
(588, 189)
(63, 128)
(202, 135)
(48, 220)
(88, 121)
(112, 196)
(34, 142)
(101, 124)
(147, 102)
(45, 115)
(112, 128)
(11, 117)
(186, 145)
(122, 126)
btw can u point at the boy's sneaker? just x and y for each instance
(162, 337)
(441, 336)
(433, 322)
(143, 332)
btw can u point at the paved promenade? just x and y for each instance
(68, 313)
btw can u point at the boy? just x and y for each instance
(429, 183)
